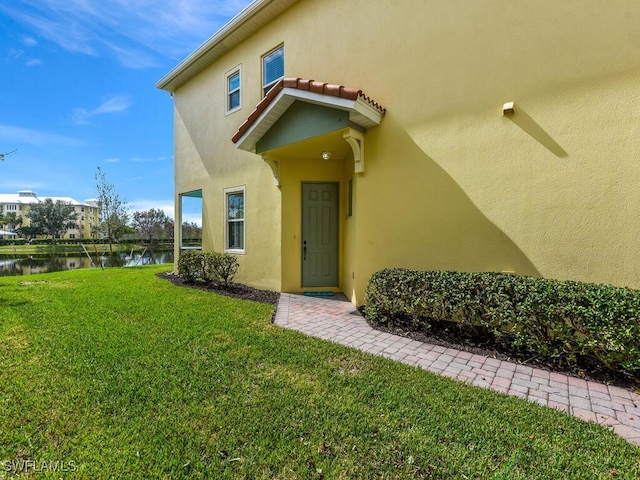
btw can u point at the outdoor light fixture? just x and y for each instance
(508, 108)
(326, 155)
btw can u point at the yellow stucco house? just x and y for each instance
(330, 139)
(19, 203)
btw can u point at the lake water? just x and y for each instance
(31, 264)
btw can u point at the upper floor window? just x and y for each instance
(233, 90)
(272, 68)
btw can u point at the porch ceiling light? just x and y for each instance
(326, 155)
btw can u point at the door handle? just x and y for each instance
(304, 250)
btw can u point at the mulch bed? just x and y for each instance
(447, 334)
(235, 290)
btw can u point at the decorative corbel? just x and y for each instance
(355, 140)
(275, 167)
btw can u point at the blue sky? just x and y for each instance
(77, 92)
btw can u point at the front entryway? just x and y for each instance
(320, 234)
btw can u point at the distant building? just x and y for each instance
(20, 203)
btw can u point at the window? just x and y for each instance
(233, 89)
(234, 214)
(190, 220)
(272, 68)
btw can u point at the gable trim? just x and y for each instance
(255, 16)
(363, 111)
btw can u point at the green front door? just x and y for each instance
(319, 234)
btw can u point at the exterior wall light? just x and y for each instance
(508, 108)
(326, 155)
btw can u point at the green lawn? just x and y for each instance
(119, 374)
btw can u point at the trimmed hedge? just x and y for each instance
(556, 319)
(207, 267)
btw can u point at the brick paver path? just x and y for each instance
(336, 319)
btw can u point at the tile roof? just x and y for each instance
(322, 88)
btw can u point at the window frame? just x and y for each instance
(237, 70)
(268, 86)
(230, 191)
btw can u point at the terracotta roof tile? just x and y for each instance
(308, 85)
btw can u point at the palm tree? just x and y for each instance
(11, 220)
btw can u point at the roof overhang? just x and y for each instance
(255, 16)
(363, 112)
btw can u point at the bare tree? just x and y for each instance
(191, 230)
(5, 155)
(113, 210)
(168, 228)
(149, 224)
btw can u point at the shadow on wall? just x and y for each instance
(535, 131)
(423, 219)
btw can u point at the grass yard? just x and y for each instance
(119, 374)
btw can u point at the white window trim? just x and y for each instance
(227, 191)
(273, 82)
(230, 73)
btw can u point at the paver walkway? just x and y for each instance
(336, 319)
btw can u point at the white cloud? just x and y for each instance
(48, 21)
(136, 33)
(143, 160)
(29, 41)
(136, 179)
(112, 160)
(14, 53)
(132, 57)
(192, 216)
(116, 104)
(15, 184)
(19, 135)
(33, 62)
(143, 205)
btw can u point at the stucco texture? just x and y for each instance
(450, 182)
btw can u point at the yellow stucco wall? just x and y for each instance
(207, 160)
(449, 182)
(293, 174)
(86, 219)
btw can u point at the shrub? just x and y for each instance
(554, 318)
(195, 265)
(191, 266)
(223, 267)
